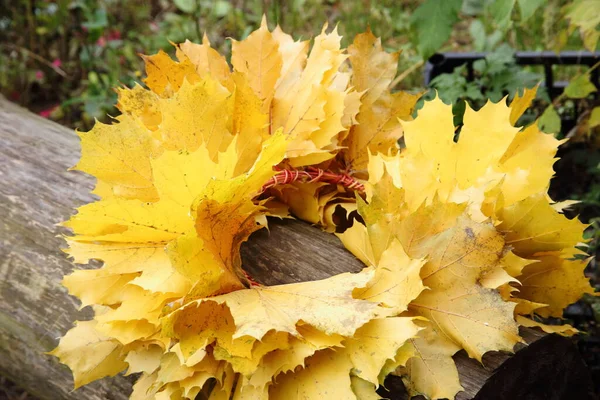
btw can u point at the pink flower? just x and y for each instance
(101, 41)
(39, 75)
(57, 63)
(47, 112)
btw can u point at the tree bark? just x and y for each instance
(37, 192)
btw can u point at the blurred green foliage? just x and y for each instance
(63, 58)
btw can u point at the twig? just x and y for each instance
(41, 59)
(563, 94)
(407, 72)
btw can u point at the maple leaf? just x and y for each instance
(255, 311)
(432, 370)
(377, 128)
(205, 59)
(89, 354)
(165, 76)
(259, 59)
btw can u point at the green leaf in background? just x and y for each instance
(96, 20)
(473, 7)
(501, 11)
(594, 120)
(433, 21)
(585, 15)
(221, 8)
(580, 87)
(529, 7)
(553, 40)
(187, 6)
(477, 31)
(549, 122)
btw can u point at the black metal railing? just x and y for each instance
(442, 63)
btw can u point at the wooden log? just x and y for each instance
(37, 192)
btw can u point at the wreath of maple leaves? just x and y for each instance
(460, 240)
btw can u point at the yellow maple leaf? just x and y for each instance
(432, 371)
(533, 225)
(89, 354)
(325, 375)
(375, 343)
(145, 357)
(311, 108)
(194, 115)
(119, 155)
(554, 280)
(521, 103)
(255, 311)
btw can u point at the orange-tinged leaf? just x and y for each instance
(250, 124)
(311, 107)
(141, 103)
(165, 75)
(193, 260)
(224, 212)
(373, 69)
(205, 59)
(258, 57)
(378, 129)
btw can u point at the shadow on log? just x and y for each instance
(37, 192)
